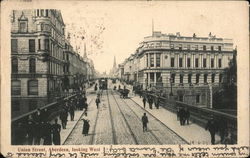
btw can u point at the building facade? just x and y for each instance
(40, 59)
(189, 66)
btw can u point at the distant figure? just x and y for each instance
(144, 100)
(182, 116)
(97, 101)
(178, 113)
(56, 129)
(85, 129)
(64, 117)
(47, 134)
(187, 115)
(150, 102)
(157, 102)
(144, 122)
(72, 111)
(20, 134)
(212, 127)
(119, 87)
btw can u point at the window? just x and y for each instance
(180, 47)
(23, 26)
(213, 78)
(32, 64)
(189, 78)
(39, 44)
(42, 12)
(173, 78)
(15, 105)
(172, 46)
(15, 87)
(196, 47)
(33, 87)
(152, 76)
(13, 45)
(14, 65)
(212, 63)
(204, 62)
(197, 98)
(219, 48)
(181, 78)
(204, 47)
(188, 47)
(181, 98)
(172, 62)
(32, 45)
(151, 60)
(158, 60)
(219, 63)
(32, 105)
(37, 12)
(220, 78)
(196, 62)
(46, 41)
(180, 62)
(212, 48)
(188, 62)
(46, 12)
(205, 78)
(42, 26)
(197, 78)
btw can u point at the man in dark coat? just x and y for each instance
(157, 102)
(144, 100)
(47, 134)
(64, 117)
(144, 120)
(72, 111)
(30, 131)
(150, 102)
(187, 115)
(20, 134)
(45, 114)
(97, 101)
(56, 129)
(182, 116)
(212, 127)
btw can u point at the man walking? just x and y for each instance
(97, 101)
(144, 100)
(212, 127)
(144, 122)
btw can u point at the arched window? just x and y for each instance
(14, 65)
(32, 65)
(33, 87)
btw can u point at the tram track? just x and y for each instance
(126, 121)
(155, 137)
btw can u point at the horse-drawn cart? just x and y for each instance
(123, 93)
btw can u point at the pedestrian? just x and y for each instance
(38, 116)
(72, 111)
(157, 102)
(47, 134)
(44, 114)
(30, 130)
(96, 87)
(178, 113)
(212, 127)
(64, 117)
(182, 116)
(223, 129)
(144, 100)
(56, 129)
(186, 115)
(20, 134)
(86, 125)
(150, 102)
(97, 101)
(144, 122)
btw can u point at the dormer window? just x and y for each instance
(23, 23)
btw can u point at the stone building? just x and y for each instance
(40, 59)
(192, 66)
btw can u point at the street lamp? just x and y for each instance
(171, 92)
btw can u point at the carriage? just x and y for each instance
(123, 93)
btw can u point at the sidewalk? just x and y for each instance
(192, 133)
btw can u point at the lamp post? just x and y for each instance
(171, 92)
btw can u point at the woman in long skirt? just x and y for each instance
(85, 129)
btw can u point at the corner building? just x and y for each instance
(39, 59)
(190, 65)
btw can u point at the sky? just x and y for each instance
(111, 29)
